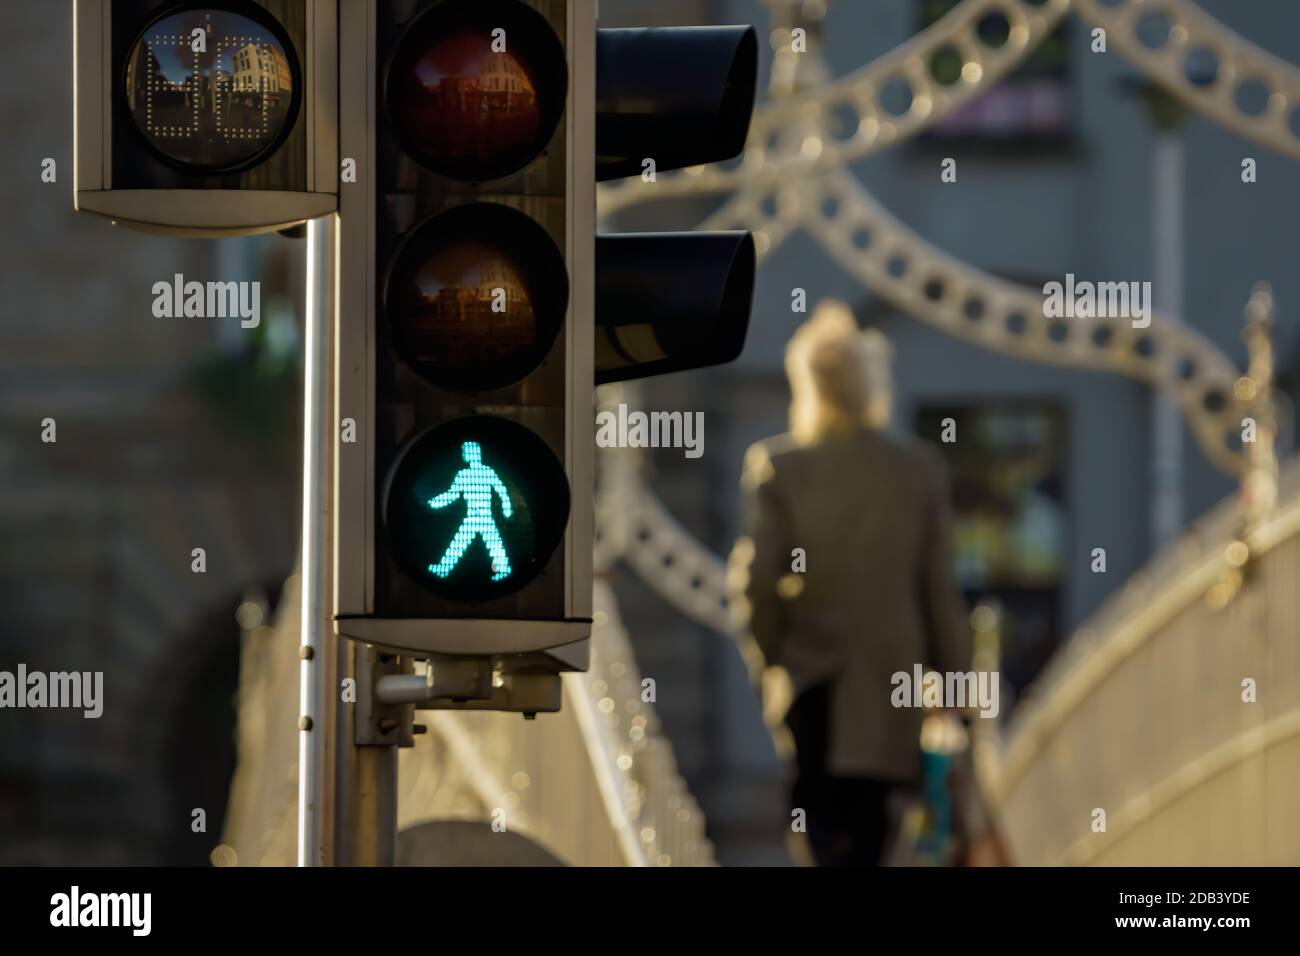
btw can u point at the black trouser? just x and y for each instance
(847, 817)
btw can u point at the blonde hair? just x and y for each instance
(839, 375)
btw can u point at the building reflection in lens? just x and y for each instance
(212, 102)
(467, 310)
(470, 112)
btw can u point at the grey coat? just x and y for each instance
(873, 515)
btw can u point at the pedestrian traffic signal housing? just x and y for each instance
(477, 307)
(465, 336)
(206, 119)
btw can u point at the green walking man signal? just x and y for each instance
(476, 483)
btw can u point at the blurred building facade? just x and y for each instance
(171, 435)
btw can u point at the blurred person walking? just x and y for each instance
(844, 580)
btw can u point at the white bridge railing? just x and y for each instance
(1146, 715)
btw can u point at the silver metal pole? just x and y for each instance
(316, 652)
(375, 831)
(365, 815)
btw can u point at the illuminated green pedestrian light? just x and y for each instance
(475, 507)
(475, 483)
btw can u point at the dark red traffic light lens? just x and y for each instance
(475, 297)
(212, 90)
(476, 89)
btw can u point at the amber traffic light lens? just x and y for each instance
(476, 297)
(211, 90)
(475, 90)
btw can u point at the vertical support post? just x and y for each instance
(1166, 419)
(317, 739)
(376, 822)
(365, 777)
(365, 821)
(1259, 484)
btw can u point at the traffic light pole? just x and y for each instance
(446, 402)
(318, 737)
(347, 794)
(366, 821)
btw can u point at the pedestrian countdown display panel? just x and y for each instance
(475, 507)
(212, 88)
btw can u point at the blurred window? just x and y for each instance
(1030, 106)
(1008, 476)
